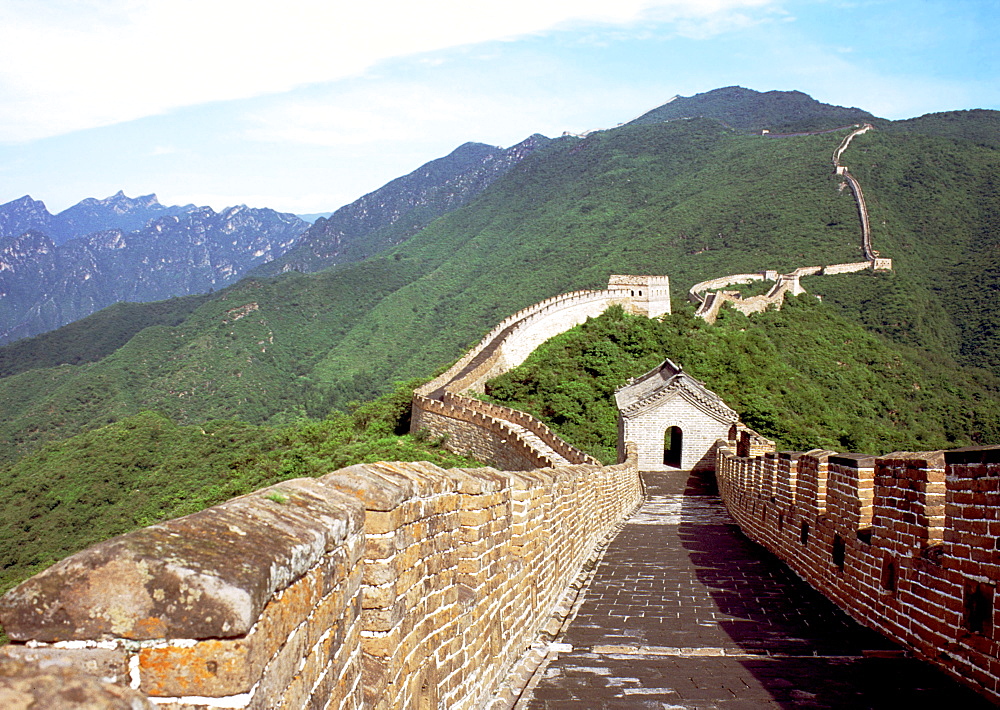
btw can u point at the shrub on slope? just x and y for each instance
(803, 376)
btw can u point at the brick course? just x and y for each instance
(388, 585)
(906, 543)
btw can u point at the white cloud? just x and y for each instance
(67, 65)
(440, 115)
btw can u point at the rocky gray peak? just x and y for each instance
(27, 244)
(47, 283)
(401, 208)
(22, 214)
(116, 212)
(121, 204)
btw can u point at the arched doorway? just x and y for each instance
(672, 442)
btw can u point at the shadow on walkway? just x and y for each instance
(683, 611)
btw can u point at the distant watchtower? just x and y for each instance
(673, 419)
(648, 295)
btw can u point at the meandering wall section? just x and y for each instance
(710, 298)
(506, 437)
(859, 197)
(907, 543)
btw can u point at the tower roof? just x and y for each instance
(664, 382)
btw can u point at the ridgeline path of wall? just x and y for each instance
(906, 543)
(710, 304)
(388, 585)
(866, 232)
(504, 436)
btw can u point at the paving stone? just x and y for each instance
(684, 612)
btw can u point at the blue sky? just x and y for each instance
(306, 105)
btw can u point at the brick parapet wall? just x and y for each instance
(472, 427)
(906, 543)
(469, 432)
(391, 585)
(506, 414)
(848, 268)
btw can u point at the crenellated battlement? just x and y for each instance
(906, 543)
(505, 347)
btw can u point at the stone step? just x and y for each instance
(535, 442)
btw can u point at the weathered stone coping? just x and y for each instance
(384, 585)
(206, 575)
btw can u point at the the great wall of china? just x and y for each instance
(404, 585)
(709, 295)
(390, 585)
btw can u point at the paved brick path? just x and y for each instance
(685, 612)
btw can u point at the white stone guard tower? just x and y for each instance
(648, 295)
(673, 419)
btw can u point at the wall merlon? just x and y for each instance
(973, 455)
(903, 547)
(851, 460)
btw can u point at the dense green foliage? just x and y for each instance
(978, 126)
(146, 468)
(689, 198)
(96, 336)
(804, 376)
(752, 110)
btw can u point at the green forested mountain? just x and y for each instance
(185, 402)
(747, 109)
(688, 198)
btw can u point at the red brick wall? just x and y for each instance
(907, 543)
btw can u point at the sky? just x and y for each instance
(304, 105)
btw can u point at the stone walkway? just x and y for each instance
(685, 612)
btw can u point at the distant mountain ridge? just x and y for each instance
(402, 207)
(45, 284)
(55, 269)
(85, 217)
(746, 109)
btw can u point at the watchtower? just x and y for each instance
(673, 419)
(648, 295)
